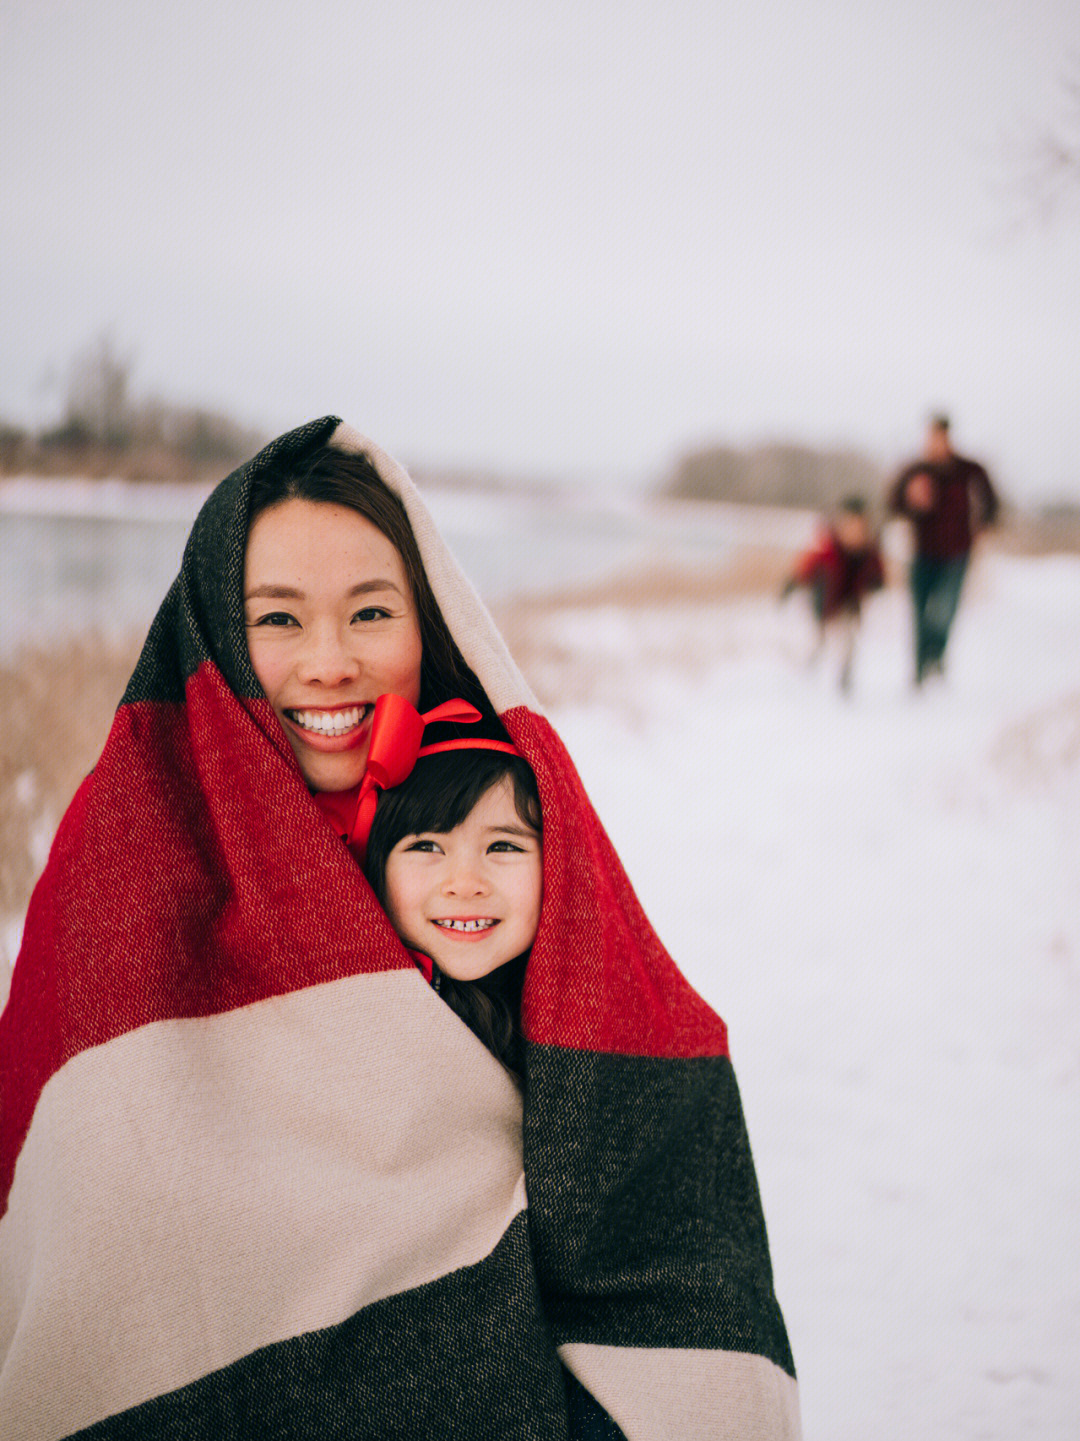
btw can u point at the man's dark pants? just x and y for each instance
(935, 591)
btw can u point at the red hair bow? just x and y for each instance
(397, 728)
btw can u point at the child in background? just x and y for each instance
(839, 571)
(455, 857)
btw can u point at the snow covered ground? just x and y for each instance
(881, 895)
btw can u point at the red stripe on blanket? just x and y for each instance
(599, 979)
(166, 879)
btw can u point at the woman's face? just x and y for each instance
(331, 625)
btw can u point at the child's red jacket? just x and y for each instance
(839, 578)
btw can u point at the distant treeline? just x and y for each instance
(808, 479)
(103, 429)
(776, 474)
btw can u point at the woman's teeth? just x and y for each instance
(327, 723)
(466, 925)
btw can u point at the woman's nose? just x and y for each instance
(327, 659)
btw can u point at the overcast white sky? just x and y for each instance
(567, 237)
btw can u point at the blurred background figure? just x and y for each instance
(838, 572)
(949, 500)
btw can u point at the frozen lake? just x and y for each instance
(101, 556)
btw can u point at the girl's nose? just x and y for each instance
(465, 880)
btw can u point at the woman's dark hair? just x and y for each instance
(341, 477)
(439, 794)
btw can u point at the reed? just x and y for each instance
(56, 706)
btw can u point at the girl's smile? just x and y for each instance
(467, 927)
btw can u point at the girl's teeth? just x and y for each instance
(330, 723)
(465, 925)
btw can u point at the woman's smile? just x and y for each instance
(326, 729)
(329, 722)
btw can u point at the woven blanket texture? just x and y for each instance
(258, 1181)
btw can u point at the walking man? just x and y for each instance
(948, 500)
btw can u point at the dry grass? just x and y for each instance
(1038, 535)
(56, 707)
(1043, 748)
(753, 570)
(594, 643)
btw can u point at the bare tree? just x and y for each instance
(98, 404)
(107, 428)
(1046, 165)
(775, 474)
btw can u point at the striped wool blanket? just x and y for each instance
(258, 1181)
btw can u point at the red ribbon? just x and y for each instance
(397, 728)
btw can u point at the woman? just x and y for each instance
(260, 1181)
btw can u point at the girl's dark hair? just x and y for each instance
(340, 477)
(441, 791)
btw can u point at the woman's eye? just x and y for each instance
(371, 612)
(275, 617)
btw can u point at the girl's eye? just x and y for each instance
(371, 612)
(505, 846)
(419, 845)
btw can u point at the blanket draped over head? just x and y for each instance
(258, 1181)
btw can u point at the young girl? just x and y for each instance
(455, 856)
(839, 571)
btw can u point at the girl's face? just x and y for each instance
(469, 898)
(331, 626)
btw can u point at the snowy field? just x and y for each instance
(881, 895)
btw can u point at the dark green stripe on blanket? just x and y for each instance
(464, 1358)
(646, 1219)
